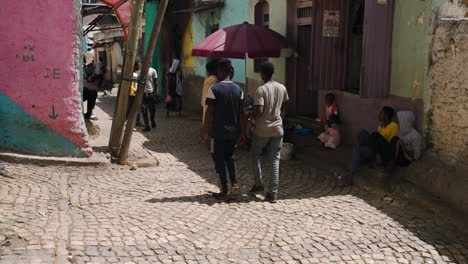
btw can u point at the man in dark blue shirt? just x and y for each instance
(225, 114)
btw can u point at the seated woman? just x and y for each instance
(331, 137)
(375, 147)
(331, 108)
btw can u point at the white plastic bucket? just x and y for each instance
(287, 151)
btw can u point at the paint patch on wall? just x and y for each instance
(421, 18)
(187, 45)
(22, 132)
(39, 72)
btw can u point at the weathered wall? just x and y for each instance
(40, 100)
(448, 129)
(410, 47)
(234, 12)
(201, 24)
(188, 61)
(454, 8)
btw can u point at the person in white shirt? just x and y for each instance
(269, 101)
(99, 72)
(174, 89)
(150, 96)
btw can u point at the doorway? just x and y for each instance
(355, 50)
(306, 96)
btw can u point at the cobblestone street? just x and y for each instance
(65, 214)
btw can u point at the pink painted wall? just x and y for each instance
(38, 59)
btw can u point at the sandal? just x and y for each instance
(221, 196)
(235, 190)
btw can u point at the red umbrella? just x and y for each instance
(123, 12)
(242, 40)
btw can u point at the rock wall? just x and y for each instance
(448, 127)
(454, 9)
(40, 99)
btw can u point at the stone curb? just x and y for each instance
(95, 160)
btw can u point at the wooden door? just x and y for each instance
(330, 44)
(377, 48)
(305, 94)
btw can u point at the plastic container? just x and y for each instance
(287, 151)
(304, 132)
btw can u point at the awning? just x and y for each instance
(111, 12)
(201, 5)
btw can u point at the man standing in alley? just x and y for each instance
(269, 101)
(99, 72)
(225, 114)
(150, 96)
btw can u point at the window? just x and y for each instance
(214, 28)
(304, 12)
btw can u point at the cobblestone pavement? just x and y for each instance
(165, 215)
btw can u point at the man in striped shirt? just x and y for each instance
(269, 101)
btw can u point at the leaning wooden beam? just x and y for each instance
(131, 47)
(123, 155)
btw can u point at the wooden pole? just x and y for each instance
(123, 155)
(131, 47)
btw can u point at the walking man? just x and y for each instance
(90, 95)
(225, 114)
(269, 101)
(148, 106)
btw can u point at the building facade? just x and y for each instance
(369, 53)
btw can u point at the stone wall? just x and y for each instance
(454, 8)
(448, 118)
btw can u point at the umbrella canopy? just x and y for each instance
(237, 41)
(123, 12)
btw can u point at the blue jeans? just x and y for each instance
(272, 146)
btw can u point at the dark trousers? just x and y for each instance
(175, 105)
(131, 101)
(401, 157)
(372, 144)
(99, 80)
(367, 148)
(380, 146)
(149, 108)
(223, 156)
(90, 96)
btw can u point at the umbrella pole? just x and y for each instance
(246, 76)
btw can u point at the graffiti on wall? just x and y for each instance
(40, 79)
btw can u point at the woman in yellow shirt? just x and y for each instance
(388, 129)
(375, 147)
(380, 142)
